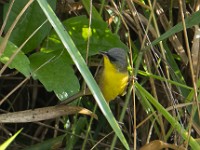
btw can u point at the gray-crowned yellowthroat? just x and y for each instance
(112, 78)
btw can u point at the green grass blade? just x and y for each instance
(189, 22)
(8, 142)
(192, 142)
(82, 67)
(176, 83)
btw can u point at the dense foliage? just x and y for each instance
(46, 58)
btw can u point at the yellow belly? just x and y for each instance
(112, 82)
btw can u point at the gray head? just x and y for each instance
(118, 57)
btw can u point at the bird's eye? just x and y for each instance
(111, 58)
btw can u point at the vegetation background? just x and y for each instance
(47, 49)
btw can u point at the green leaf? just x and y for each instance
(101, 38)
(29, 22)
(20, 62)
(57, 75)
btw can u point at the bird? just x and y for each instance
(113, 77)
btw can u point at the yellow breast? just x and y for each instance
(112, 82)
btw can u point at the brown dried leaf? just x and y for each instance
(158, 145)
(195, 52)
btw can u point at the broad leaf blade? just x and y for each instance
(101, 38)
(57, 75)
(20, 62)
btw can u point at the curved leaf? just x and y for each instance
(101, 38)
(20, 62)
(57, 75)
